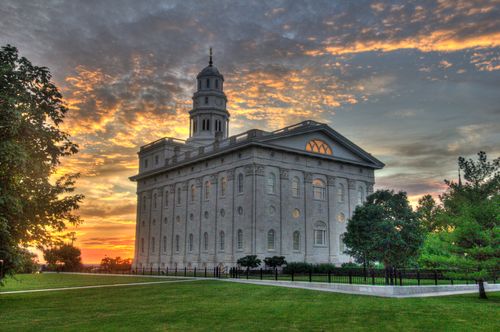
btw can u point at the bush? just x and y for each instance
(297, 267)
(350, 265)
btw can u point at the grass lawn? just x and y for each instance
(55, 280)
(217, 305)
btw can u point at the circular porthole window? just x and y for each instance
(272, 210)
(206, 214)
(222, 212)
(296, 213)
(341, 217)
(240, 210)
(191, 217)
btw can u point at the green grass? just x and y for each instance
(56, 280)
(217, 305)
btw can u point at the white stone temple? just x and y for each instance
(211, 199)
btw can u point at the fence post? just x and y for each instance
(329, 276)
(185, 271)
(373, 276)
(310, 274)
(158, 270)
(418, 277)
(400, 278)
(435, 278)
(275, 273)
(350, 276)
(175, 272)
(293, 272)
(195, 271)
(205, 271)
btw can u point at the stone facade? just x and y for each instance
(262, 193)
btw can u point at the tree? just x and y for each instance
(471, 211)
(34, 204)
(250, 261)
(428, 211)
(63, 258)
(116, 264)
(28, 262)
(275, 261)
(384, 229)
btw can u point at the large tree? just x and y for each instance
(63, 258)
(34, 203)
(471, 213)
(384, 229)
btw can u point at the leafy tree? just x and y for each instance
(250, 261)
(384, 229)
(428, 211)
(33, 202)
(63, 258)
(275, 261)
(471, 211)
(28, 262)
(116, 264)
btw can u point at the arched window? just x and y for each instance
(223, 186)
(179, 195)
(206, 102)
(319, 233)
(361, 195)
(142, 245)
(208, 124)
(240, 182)
(199, 84)
(296, 240)
(144, 203)
(207, 189)
(341, 243)
(340, 193)
(318, 146)
(177, 244)
(205, 241)
(222, 241)
(271, 183)
(193, 193)
(166, 198)
(191, 242)
(239, 239)
(295, 187)
(216, 84)
(208, 83)
(319, 189)
(154, 200)
(164, 244)
(154, 222)
(153, 244)
(270, 240)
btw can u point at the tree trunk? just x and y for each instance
(482, 292)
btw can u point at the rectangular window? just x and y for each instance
(319, 237)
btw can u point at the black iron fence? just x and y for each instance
(392, 276)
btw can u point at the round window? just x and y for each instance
(191, 217)
(240, 210)
(272, 210)
(341, 217)
(206, 214)
(222, 212)
(296, 213)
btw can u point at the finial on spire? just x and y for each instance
(210, 63)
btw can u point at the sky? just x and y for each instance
(415, 83)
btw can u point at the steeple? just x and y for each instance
(209, 118)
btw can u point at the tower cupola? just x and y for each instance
(209, 117)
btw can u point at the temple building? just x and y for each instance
(213, 198)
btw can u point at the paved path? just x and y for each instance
(94, 286)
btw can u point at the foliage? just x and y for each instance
(250, 261)
(28, 262)
(63, 258)
(350, 265)
(428, 211)
(384, 229)
(116, 264)
(275, 261)
(471, 211)
(302, 267)
(31, 146)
